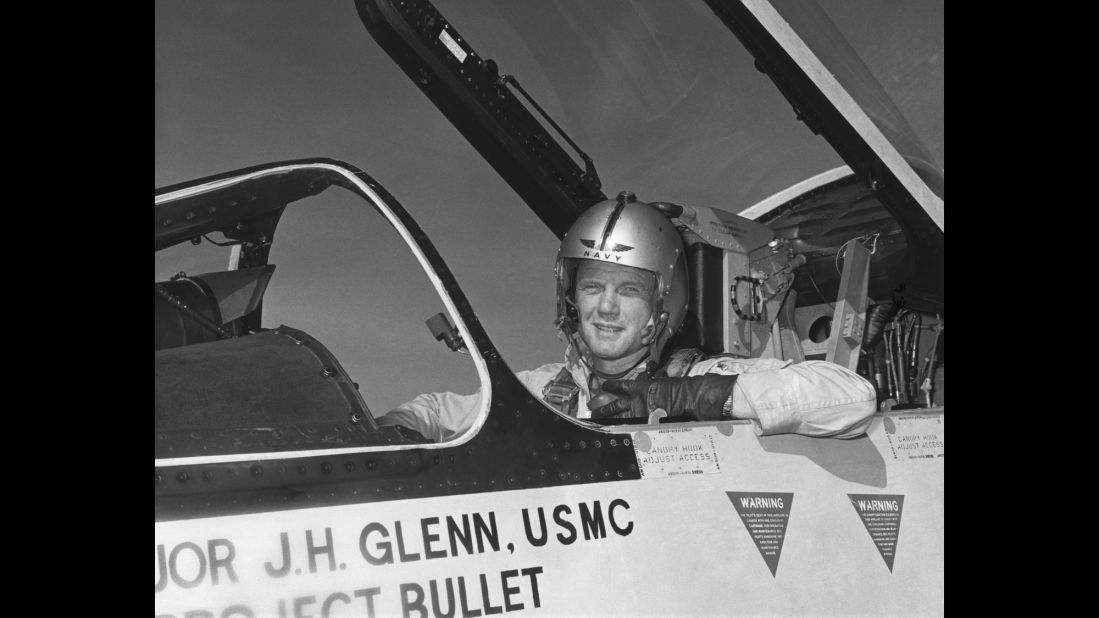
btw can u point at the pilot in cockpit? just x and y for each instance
(621, 296)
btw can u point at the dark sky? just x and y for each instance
(660, 94)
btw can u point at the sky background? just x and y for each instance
(658, 93)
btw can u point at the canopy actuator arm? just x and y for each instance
(473, 96)
(591, 177)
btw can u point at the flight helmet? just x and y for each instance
(631, 233)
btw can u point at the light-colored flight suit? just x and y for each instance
(811, 398)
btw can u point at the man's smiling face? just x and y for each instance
(614, 303)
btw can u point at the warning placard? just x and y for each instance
(765, 515)
(881, 514)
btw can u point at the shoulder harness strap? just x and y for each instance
(562, 393)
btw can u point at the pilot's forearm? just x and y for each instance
(426, 424)
(813, 398)
(437, 416)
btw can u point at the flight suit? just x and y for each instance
(811, 398)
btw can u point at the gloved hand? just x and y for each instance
(699, 397)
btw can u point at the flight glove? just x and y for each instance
(702, 397)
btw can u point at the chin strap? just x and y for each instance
(656, 339)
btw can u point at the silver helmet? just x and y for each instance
(631, 233)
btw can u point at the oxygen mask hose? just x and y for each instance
(879, 316)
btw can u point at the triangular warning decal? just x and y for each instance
(881, 514)
(765, 515)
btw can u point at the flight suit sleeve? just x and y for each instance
(437, 416)
(811, 398)
(443, 416)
